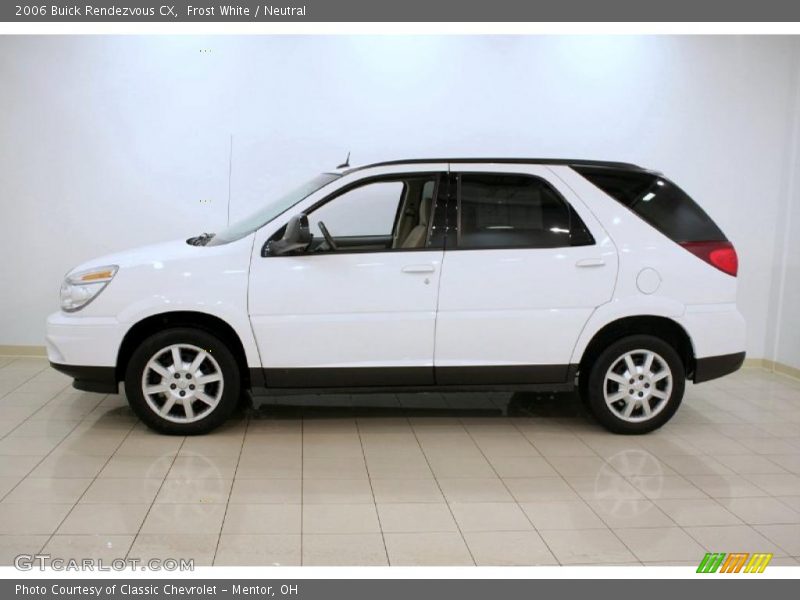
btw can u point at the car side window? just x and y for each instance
(369, 210)
(378, 215)
(515, 211)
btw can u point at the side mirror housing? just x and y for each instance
(296, 238)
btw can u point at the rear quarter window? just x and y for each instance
(658, 201)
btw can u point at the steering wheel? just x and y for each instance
(327, 235)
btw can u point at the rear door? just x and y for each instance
(525, 265)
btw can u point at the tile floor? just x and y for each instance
(455, 479)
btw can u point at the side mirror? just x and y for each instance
(296, 238)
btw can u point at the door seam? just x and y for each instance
(441, 272)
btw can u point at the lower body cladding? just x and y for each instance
(412, 379)
(365, 379)
(713, 367)
(102, 380)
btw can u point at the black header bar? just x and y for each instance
(177, 11)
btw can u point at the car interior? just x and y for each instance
(412, 216)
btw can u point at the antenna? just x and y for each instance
(230, 172)
(346, 162)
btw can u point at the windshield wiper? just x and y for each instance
(200, 240)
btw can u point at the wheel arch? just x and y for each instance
(214, 325)
(661, 327)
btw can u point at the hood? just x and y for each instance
(144, 255)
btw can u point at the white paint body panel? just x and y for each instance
(474, 307)
(345, 310)
(521, 306)
(715, 329)
(151, 280)
(686, 281)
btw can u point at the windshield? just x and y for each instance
(248, 225)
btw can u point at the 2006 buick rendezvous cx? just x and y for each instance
(419, 275)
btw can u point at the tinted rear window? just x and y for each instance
(515, 211)
(658, 201)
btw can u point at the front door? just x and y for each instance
(358, 307)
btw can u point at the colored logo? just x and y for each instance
(734, 562)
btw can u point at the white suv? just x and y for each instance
(419, 275)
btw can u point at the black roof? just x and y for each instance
(570, 162)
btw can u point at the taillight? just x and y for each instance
(721, 255)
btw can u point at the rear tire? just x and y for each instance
(182, 381)
(635, 385)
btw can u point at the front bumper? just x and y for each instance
(86, 349)
(90, 379)
(79, 340)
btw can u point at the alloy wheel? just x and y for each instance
(182, 383)
(638, 385)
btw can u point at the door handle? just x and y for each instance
(418, 269)
(590, 262)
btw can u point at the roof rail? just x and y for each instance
(533, 161)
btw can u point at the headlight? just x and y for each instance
(81, 288)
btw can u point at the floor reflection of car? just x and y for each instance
(419, 275)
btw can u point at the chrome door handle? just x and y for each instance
(418, 269)
(590, 262)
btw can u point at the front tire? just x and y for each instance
(182, 382)
(635, 385)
